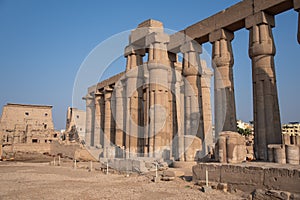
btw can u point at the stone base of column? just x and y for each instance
(230, 148)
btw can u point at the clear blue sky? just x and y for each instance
(44, 42)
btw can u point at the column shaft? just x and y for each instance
(267, 125)
(225, 110)
(107, 122)
(97, 121)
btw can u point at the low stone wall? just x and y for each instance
(32, 147)
(64, 149)
(250, 176)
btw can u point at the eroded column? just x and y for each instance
(97, 123)
(267, 125)
(222, 61)
(89, 136)
(158, 64)
(134, 97)
(192, 96)
(107, 121)
(119, 114)
(206, 75)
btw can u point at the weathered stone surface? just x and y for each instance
(260, 194)
(250, 176)
(231, 148)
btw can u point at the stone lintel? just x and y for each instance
(272, 6)
(133, 49)
(259, 18)
(108, 89)
(176, 40)
(191, 46)
(297, 5)
(87, 97)
(231, 18)
(221, 34)
(98, 94)
(110, 80)
(157, 38)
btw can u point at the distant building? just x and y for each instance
(292, 128)
(244, 125)
(22, 123)
(75, 124)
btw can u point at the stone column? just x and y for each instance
(89, 130)
(179, 114)
(158, 64)
(174, 76)
(222, 57)
(119, 114)
(107, 121)
(297, 8)
(97, 123)
(192, 92)
(206, 75)
(134, 94)
(267, 125)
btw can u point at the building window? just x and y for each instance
(46, 114)
(77, 116)
(34, 140)
(80, 129)
(45, 126)
(27, 113)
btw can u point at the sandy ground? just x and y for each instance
(27, 180)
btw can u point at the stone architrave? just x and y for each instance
(222, 57)
(267, 125)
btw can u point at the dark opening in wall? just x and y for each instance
(34, 140)
(26, 113)
(46, 114)
(45, 126)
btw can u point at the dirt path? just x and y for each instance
(41, 181)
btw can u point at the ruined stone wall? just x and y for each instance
(76, 117)
(37, 148)
(39, 117)
(22, 123)
(250, 176)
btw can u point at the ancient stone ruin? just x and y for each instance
(161, 107)
(21, 123)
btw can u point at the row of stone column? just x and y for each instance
(155, 108)
(267, 124)
(137, 98)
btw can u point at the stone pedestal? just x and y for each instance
(292, 154)
(267, 125)
(230, 148)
